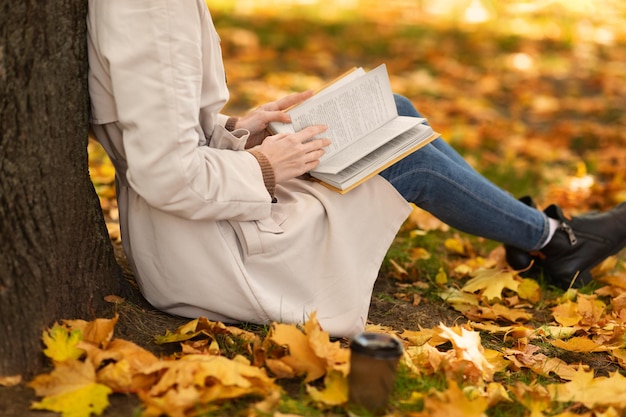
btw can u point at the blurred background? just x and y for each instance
(532, 93)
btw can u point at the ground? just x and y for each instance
(139, 322)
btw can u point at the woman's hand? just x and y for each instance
(292, 155)
(257, 120)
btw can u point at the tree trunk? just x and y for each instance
(56, 260)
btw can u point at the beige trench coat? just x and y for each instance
(198, 225)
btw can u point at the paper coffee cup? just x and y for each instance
(373, 364)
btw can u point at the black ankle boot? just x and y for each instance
(519, 259)
(581, 243)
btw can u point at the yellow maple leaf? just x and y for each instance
(299, 356)
(529, 290)
(592, 391)
(579, 344)
(335, 356)
(306, 352)
(492, 282)
(455, 246)
(61, 343)
(335, 391)
(496, 359)
(418, 338)
(71, 389)
(90, 399)
(454, 403)
(567, 313)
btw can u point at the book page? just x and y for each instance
(276, 127)
(351, 175)
(351, 111)
(347, 156)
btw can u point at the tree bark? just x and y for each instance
(56, 261)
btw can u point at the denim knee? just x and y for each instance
(405, 107)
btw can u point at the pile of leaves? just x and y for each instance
(90, 364)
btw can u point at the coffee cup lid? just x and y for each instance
(376, 344)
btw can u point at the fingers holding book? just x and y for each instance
(292, 155)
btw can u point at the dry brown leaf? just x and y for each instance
(497, 312)
(98, 332)
(531, 357)
(10, 380)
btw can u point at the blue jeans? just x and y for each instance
(437, 179)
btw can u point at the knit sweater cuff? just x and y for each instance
(230, 123)
(268, 172)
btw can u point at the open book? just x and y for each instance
(364, 128)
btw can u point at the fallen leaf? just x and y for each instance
(492, 282)
(71, 389)
(121, 366)
(197, 380)
(497, 312)
(467, 346)
(441, 278)
(587, 389)
(82, 402)
(455, 297)
(10, 380)
(298, 354)
(307, 352)
(98, 332)
(335, 391)
(62, 343)
(425, 221)
(566, 313)
(454, 403)
(579, 344)
(529, 290)
(455, 246)
(419, 253)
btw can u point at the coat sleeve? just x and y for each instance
(166, 73)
